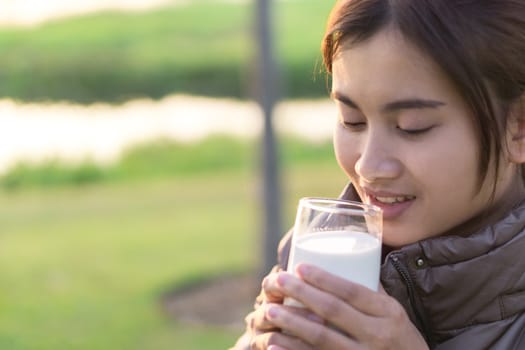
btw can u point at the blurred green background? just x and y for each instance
(204, 48)
(87, 251)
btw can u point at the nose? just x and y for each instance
(378, 159)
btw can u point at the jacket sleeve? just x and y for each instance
(506, 334)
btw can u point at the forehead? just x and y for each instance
(387, 64)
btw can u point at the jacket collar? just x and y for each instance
(461, 281)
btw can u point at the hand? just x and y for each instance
(262, 332)
(365, 319)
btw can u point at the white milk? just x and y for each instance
(355, 256)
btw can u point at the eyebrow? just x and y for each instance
(408, 103)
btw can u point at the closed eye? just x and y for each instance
(357, 126)
(415, 131)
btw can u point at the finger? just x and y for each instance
(301, 312)
(360, 297)
(272, 293)
(258, 322)
(317, 335)
(329, 307)
(276, 340)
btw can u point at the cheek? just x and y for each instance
(448, 166)
(344, 148)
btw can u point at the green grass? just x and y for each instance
(84, 267)
(205, 48)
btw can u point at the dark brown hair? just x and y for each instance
(480, 45)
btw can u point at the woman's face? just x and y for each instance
(405, 139)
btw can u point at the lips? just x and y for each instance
(392, 200)
(392, 204)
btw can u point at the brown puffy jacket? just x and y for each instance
(462, 292)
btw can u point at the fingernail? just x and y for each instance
(274, 347)
(283, 279)
(272, 312)
(304, 270)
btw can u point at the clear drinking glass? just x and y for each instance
(342, 237)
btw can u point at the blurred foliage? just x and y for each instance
(51, 173)
(203, 48)
(164, 159)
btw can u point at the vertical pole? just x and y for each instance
(267, 97)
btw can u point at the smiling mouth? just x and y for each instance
(393, 199)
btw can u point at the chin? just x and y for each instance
(397, 240)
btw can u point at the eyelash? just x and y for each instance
(359, 126)
(416, 131)
(353, 126)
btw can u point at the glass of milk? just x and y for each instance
(342, 237)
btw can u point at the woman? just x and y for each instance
(431, 128)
